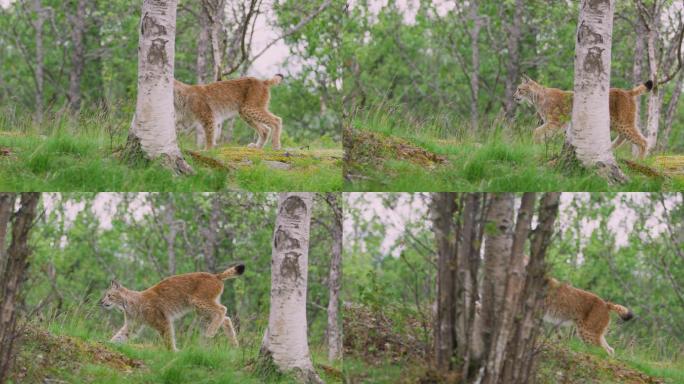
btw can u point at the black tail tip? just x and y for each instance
(649, 84)
(240, 268)
(282, 77)
(628, 316)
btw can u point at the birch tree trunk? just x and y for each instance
(335, 279)
(285, 341)
(39, 72)
(203, 45)
(13, 276)
(210, 233)
(514, 287)
(513, 62)
(655, 99)
(170, 236)
(589, 134)
(77, 55)
(637, 74)
(475, 62)
(442, 209)
(499, 239)
(153, 130)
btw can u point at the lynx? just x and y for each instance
(170, 299)
(565, 304)
(208, 105)
(554, 106)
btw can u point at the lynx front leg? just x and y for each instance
(617, 142)
(122, 335)
(543, 131)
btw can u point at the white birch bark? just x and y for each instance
(655, 100)
(77, 54)
(589, 134)
(153, 130)
(285, 340)
(637, 74)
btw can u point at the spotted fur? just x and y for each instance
(208, 105)
(170, 299)
(555, 108)
(590, 313)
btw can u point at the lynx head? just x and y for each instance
(525, 90)
(113, 296)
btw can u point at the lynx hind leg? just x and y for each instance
(214, 314)
(545, 131)
(605, 345)
(619, 140)
(276, 125)
(262, 132)
(229, 330)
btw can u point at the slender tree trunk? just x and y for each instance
(285, 341)
(40, 57)
(335, 279)
(170, 236)
(499, 239)
(672, 110)
(203, 45)
(655, 99)
(513, 62)
(637, 74)
(210, 234)
(442, 209)
(475, 62)
(7, 200)
(520, 363)
(77, 55)
(589, 135)
(13, 277)
(514, 287)
(153, 130)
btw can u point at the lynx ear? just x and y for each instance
(115, 284)
(526, 78)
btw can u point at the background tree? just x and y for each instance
(13, 271)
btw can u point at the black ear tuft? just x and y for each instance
(649, 85)
(240, 268)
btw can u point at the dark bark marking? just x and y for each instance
(290, 266)
(150, 26)
(593, 62)
(157, 52)
(293, 207)
(595, 5)
(282, 240)
(587, 36)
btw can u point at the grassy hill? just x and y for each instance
(66, 154)
(387, 153)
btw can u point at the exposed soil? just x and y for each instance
(41, 352)
(362, 147)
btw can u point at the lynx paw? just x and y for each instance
(251, 145)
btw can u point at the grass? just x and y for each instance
(504, 158)
(75, 349)
(79, 154)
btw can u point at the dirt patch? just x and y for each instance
(377, 337)
(372, 147)
(572, 367)
(42, 352)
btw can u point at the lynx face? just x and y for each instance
(523, 92)
(112, 297)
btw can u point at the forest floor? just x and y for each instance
(65, 155)
(78, 356)
(568, 362)
(383, 153)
